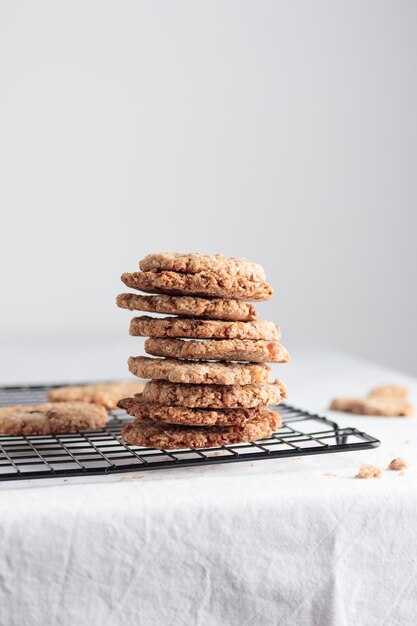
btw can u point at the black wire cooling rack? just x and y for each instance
(102, 451)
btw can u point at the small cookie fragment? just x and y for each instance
(199, 372)
(146, 326)
(188, 417)
(398, 465)
(193, 263)
(218, 349)
(368, 471)
(202, 284)
(160, 436)
(189, 306)
(51, 418)
(214, 396)
(103, 394)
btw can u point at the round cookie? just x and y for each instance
(202, 372)
(214, 396)
(218, 349)
(160, 436)
(146, 326)
(202, 284)
(51, 418)
(193, 263)
(216, 309)
(104, 394)
(183, 415)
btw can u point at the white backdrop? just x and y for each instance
(285, 132)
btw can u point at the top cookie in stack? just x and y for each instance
(192, 402)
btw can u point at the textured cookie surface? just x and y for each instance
(201, 284)
(218, 349)
(158, 435)
(146, 326)
(105, 394)
(389, 392)
(193, 263)
(186, 416)
(216, 309)
(51, 418)
(201, 372)
(214, 396)
(372, 406)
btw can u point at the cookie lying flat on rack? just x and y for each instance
(161, 436)
(51, 418)
(200, 372)
(190, 306)
(214, 396)
(146, 326)
(202, 284)
(218, 349)
(193, 263)
(103, 394)
(186, 416)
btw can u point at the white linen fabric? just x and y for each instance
(297, 541)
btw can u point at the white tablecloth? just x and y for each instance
(296, 542)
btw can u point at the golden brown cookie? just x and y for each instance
(201, 372)
(218, 349)
(183, 415)
(202, 284)
(372, 406)
(214, 396)
(193, 263)
(160, 436)
(189, 306)
(389, 392)
(104, 394)
(51, 418)
(146, 326)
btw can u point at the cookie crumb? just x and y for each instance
(368, 471)
(329, 474)
(398, 464)
(402, 473)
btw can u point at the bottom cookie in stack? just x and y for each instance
(160, 435)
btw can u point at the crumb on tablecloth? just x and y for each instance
(398, 464)
(368, 471)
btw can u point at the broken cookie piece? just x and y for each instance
(368, 471)
(398, 465)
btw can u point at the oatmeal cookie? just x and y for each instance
(189, 306)
(194, 263)
(146, 326)
(104, 394)
(160, 436)
(51, 418)
(201, 372)
(201, 284)
(218, 349)
(187, 417)
(372, 406)
(214, 396)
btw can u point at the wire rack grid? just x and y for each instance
(103, 452)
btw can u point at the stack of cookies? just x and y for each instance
(209, 383)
